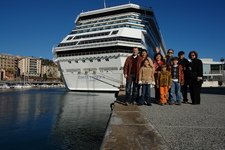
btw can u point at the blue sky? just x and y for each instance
(33, 27)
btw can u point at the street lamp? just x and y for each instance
(222, 60)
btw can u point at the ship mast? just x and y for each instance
(104, 4)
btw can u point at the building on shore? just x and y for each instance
(50, 71)
(8, 66)
(30, 66)
(213, 72)
(27, 68)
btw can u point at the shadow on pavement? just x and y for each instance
(213, 90)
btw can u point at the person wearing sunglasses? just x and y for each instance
(168, 62)
(169, 57)
(195, 77)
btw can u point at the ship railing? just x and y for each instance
(95, 52)
(109, 26)
(102, 43)
(100, 19)
(106, 26)
(113, 27)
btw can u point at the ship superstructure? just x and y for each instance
(92, 56)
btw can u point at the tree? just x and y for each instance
(11, 70)
(45, 77)
(50, 74)
(47, 62)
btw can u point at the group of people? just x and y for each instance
(169, 75)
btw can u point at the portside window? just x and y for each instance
(115, 32)
(69, 38)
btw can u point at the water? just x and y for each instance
(53, 119)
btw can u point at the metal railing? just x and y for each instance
(95, 52)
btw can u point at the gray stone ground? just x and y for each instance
(191, 127)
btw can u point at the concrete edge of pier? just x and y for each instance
(128, 128)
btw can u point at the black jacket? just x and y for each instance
(168, 60)
(185, 64)
(195, 71)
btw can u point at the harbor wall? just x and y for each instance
(129, 129)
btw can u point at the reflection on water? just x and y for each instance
(53, 119)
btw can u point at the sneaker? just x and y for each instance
(157, 101)
(131, 103)
(140, 104)
(161, 104)
(170, 103)
(117, 101)
(125, 103)
(149, 104)
(185, 102)
(178, 103)
(135, 103)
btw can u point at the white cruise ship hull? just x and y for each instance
(103, 74)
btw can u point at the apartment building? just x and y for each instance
(30, 66)
(50, 71)
(8, 66)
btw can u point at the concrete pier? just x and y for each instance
(175, 127)
(130, 129)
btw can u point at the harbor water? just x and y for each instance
(53, 119)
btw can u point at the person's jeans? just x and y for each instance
(175, 92)
(129, 98)
(146, 94)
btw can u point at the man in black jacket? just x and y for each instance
(185, 65)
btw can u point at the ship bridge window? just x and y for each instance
(83, 61)
(67, 44)
(110, 39)
(69, 38)
(107, 59)
(115, 32)
(92, 35)
(76, 61)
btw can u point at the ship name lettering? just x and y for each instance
(91, 77)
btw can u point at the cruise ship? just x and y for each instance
(92, 56)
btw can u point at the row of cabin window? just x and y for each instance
(100, 40)
(110, 19)
(112, 27)
(91, 60)
(88, 35)
(124, 21)
(91, 35)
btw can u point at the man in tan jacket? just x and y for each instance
(131, 69)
